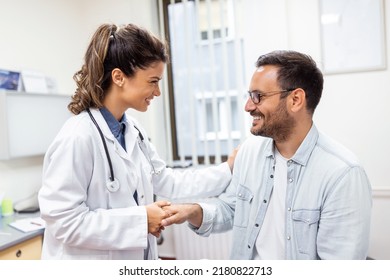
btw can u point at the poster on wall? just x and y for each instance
(352, 35)
(9, 80)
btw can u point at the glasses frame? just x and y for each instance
(261, 95)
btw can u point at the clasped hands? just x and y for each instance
(162, 214)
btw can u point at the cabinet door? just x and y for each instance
(28, 250)
(29, 122)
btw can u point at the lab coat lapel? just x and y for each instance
(103, 125)
(110, 138)
(131, 138)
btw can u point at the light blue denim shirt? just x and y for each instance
(328, 200)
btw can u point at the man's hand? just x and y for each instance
(155, 215)
(179, 213)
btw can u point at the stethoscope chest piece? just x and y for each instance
(113, 186)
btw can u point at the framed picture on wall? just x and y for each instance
(9, 80)
(352, 35)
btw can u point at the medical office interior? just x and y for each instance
(44, 41)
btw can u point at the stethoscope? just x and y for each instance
(113, 184)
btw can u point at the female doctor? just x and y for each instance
(101, 172)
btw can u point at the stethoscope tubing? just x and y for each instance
(112, 177)
(141, 145)
(143, 149)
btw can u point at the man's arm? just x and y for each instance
(179, 213)
(345, 218)
(215, 215)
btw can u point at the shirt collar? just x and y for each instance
(113, 124)
(304, 151)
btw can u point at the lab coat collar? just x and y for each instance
(102, 124)
(114, 125)
(131, 135)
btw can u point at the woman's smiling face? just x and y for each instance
(140, 89)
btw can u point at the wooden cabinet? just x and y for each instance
(27, 250)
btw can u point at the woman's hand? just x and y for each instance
(232, 157)
(155, 215)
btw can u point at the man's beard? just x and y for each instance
(278, 126)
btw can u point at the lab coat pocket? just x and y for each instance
(244, 198)
(305, 223)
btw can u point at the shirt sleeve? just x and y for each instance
(344, 226)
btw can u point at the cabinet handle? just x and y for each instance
(18, 253)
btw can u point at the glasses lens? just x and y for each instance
(254, 96)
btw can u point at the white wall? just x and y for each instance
(51, 36)
(42, 35)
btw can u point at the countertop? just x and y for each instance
(10, 236)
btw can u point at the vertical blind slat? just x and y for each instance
(213, 84)
(225, 77)
(239, 71)
(202, 70)
(190, 88)
(173, 36)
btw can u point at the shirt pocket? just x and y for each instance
(244, 198)
(305, 224)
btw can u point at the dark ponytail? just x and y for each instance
(128, 48)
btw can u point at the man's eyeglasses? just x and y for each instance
(257, 96)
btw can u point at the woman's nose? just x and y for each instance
(157, 91)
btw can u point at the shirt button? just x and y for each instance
(271, 176)
(265, 201)
(289, 208)
(288, 237)
(249, 246)
(256, 225)
(290, 180)
(239, 195)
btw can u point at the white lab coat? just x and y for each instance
(84, 220)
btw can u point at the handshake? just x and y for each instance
(162, 214)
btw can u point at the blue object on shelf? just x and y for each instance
(9, 79)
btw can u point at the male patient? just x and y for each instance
(295, 193)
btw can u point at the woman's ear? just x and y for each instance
(117, 77)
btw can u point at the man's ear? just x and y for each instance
(298, 100)
(118, 77)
